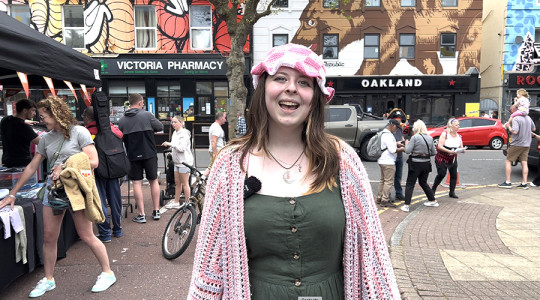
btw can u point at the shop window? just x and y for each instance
(21, 13)
(330, 46)
(204, 88)
(73, 29)
(145, 27)
(169, 99)
(431, 109)
(407, 45)
(371, 46)
(449, 3)
(281, 4)
(221, 94)
(408, 3)
(373, 3)
(448, 45)
(537, 34)
(331, 3)
(204, 103)
(119, 91)
(200, 20)
(279, 39)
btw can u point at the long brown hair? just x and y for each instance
(61, 113)
(321, 148)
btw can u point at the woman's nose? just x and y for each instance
(291, 87)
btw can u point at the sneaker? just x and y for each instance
(387, 204)
(405, 208)
(43, 286)
(378, 201)
(432, 203)
(104, 239)
(532, 184)
(104, 281)
(156, 215)
(523, 186)
(173, 205)
(505, 185)
(140, 219)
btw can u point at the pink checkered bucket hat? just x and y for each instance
(297, 57)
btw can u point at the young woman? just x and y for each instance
(446, 158)
(420, 149)
(73, 139)
(181, 152)
(312, 230)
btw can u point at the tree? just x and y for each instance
(239, 16)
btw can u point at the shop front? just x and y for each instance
(530, 81)
(192, 85)
(431, 98)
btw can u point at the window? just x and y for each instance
(537, 34)
(330, 46)
(408, 3)
(331, 3)
(371, 45)
(482, 122)
(21, 13)
(119, 91)
(73, 29)
(448, 45)
(169, 99)
(466, 123)
(211, 97)
(145, 27)
(200, 20)
(406, 45)
(279, 39)
(372, 3)
(449, 3)
(281, 3)
(337, 115)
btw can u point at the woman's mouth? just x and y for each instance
(288, 105)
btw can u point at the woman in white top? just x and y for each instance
(181, 152)
(446, 158)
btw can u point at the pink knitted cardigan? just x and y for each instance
(220, 268)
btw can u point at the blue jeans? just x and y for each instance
(397, 176)
(109, 190)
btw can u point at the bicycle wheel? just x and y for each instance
(179, 232)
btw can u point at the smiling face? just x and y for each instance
(48, 119)
(288, 97)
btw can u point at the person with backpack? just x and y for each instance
(387, 162)
(108, 189)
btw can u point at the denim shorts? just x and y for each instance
(181, 169)
(46, 194)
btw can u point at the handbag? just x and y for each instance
(58, 199)
(41, 192)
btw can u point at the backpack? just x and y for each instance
(113, 161)
(374, 146)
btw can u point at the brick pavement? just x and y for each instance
(485, 245)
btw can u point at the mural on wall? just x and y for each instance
(109, 24)
(427, 21)
(521, 21)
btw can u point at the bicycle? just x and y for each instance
(181, 227)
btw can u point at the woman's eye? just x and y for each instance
(305, 83)
(279, 78)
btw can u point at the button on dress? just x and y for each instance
(295, 245)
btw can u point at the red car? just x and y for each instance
(476, 131)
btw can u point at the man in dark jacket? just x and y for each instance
(138, 127)
(108, 189)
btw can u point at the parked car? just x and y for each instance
(534, 113)
(476, 131)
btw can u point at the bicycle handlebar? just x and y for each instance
(192, 169)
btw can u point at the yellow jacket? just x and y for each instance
(80, 186)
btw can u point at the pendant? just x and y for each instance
(287, 177)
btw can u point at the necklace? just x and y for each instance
(287, 174)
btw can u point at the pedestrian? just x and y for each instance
(65, 138)
(449, 145)
(312, 230)
(420, 149)
(240, 125)
(387, 162)
(181, 153)
(216, 135)
(521, 128)
(17, 135)
(495, 114)
(399, 115)
(108, 189)
(138, 127)
(483, 114)
(536, 180)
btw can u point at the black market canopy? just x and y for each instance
(23, 49)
